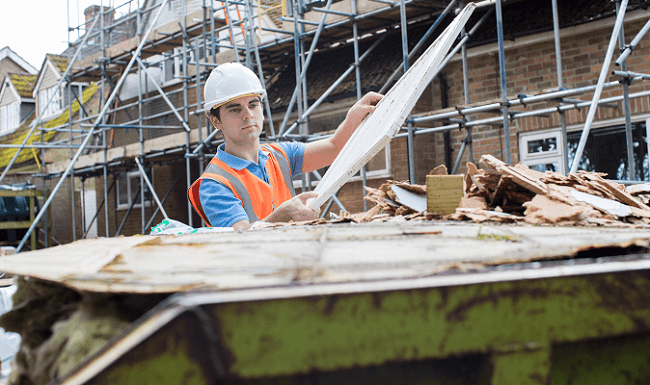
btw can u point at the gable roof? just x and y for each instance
(19, 85)
(24, 84)
(61, 62)
(6, 52)
(57, 63)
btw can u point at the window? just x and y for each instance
(377, 167)
(172, 65)
(128, 190)
(76, 91)
(542, 151)
(54, 106)
(606, 151)
(9, 117)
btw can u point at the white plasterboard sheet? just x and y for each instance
(613, 207)
(417, 202)
(377, 130)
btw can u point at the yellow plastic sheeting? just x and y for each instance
(24, 156)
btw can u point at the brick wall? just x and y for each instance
(175, 205)
(531, 69)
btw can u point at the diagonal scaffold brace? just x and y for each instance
(47, 203)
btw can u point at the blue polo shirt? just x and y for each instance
(219, 203)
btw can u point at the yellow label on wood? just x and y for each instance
(444, 193)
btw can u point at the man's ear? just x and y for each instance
(215, 122)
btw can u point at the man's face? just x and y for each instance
(241, 120)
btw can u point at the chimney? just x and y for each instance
(94, 10)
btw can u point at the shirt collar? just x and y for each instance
(236, 162)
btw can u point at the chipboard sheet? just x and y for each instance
(306, 255)
(377, 129)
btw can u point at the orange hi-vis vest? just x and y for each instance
(258, 198)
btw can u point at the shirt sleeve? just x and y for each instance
(220, 204)
(295, 152)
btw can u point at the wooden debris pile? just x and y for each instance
(505, 193)
(502, 193)
(388, 208)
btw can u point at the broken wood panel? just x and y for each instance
(621, 194)
(518, 177)
(497, 198)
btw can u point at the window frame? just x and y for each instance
(176, 62)
(544, 157)
(130, 175)
(55, 107)
(9, 117)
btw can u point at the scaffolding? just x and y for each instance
(208, 32)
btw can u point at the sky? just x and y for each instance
(32, 28)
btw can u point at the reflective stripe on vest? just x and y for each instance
(235, 180)
(239, 189)
(283, 162)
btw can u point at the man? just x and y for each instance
(247, 182)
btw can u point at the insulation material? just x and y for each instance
(377, 129)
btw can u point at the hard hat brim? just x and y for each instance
(219, 103)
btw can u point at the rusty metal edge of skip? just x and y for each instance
(177, 304)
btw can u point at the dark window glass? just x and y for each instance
(605, 151)
(542, 145)
(123, 189)
(546, 167)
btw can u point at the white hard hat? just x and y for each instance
(230, 81)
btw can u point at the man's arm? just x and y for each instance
(322, 153)
(292, 210)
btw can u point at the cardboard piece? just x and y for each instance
(444, 193)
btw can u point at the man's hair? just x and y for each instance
(215, 112)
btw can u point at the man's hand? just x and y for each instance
(294, 209)
(361, 109)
